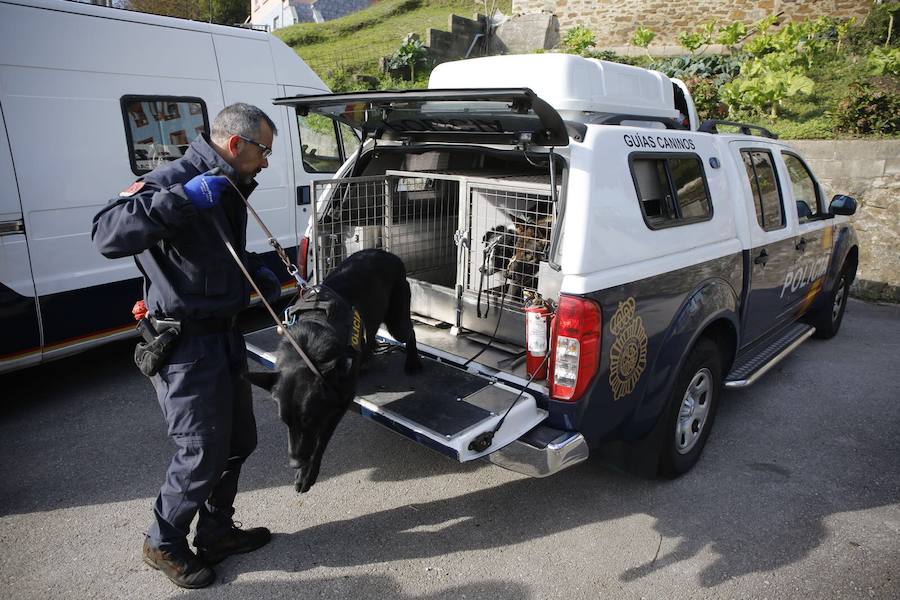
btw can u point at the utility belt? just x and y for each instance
(160, 336)
(194, 326)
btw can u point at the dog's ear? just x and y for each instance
(264, 380)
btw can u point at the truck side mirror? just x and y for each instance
(842, 205)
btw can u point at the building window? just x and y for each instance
(156, 128)
(766, 192)
(671, 189)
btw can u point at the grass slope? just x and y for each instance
(355, 43)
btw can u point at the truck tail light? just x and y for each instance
(574, 347)
(302, 258)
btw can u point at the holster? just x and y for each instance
(151, 354)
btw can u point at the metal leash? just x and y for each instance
(280, 327)
(292, 269)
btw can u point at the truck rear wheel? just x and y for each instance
(692, 410)
(829, 317)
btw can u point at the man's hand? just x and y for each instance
(204, 190)
(268, 284)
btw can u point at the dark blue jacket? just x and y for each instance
(188, 272)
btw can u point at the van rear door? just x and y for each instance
(20, 343)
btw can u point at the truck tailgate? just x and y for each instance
(444, 407)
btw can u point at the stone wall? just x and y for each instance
(614, 21)
(518, 35)
(870, 172)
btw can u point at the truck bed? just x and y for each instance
(435, 341)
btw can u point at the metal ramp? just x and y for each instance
(445, 407)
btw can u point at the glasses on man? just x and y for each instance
(266, 151)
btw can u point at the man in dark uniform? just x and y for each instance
(167, 221)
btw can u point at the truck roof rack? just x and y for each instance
(617, 118)
(710, 126)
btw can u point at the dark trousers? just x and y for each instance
(208, 407)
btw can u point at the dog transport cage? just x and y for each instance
(470, 243)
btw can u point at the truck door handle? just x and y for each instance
(303, 198)
(762, 259)
(801, 245)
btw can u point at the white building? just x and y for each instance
(274, 14)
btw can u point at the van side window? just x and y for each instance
(160, 128)
(766, 193)
(320, 146)
(806, 192)
(672, 190)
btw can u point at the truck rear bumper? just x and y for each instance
(529, 456)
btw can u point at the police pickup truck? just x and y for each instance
(590, 266)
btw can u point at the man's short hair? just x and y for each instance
(239, 119)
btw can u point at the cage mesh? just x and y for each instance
(510, 234)
(487, 238)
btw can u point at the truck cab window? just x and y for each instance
(766, 194)
(320, 147)
(671, 190)
(805, 190)
(160, 128)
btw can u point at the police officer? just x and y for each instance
(167, 221)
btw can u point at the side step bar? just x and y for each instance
(748, 369)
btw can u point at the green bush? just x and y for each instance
(698, 39)
(731, 34)
(764, 85)
(642, 37)
(610, 56)
(718, 68)
(706, 98)
(871, 107)
(411, 55)
(884, 61)
(577, 40)
(873, 31)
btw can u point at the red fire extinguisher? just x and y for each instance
(537, 335)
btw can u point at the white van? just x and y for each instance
(93, 97)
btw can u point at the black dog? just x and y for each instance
(328, 329)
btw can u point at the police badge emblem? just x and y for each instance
(628, 355)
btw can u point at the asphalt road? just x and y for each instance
(797, 496)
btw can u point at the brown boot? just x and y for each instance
(180, 565)
(219, 537)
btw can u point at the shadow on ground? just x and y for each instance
(807, 443)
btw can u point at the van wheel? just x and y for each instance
(829, 317)
(692, 410)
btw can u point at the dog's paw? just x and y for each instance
(413, 365)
